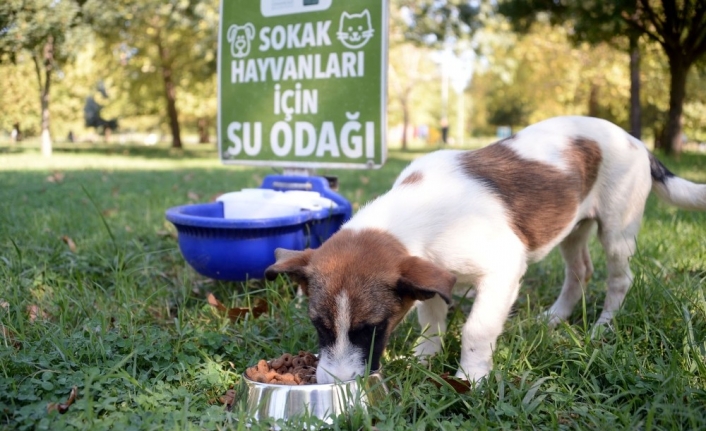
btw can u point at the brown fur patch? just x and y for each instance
(413, 178)
(541, 199)
(584, 158)
(367, 265)
(364, 265)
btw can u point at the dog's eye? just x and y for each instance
(362, 335)
(326, 336)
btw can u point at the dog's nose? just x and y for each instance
(326, 375)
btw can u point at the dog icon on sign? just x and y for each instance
(239, 37)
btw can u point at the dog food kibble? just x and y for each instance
(288, 369)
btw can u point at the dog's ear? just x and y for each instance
(249, 30)
(290, 262)
(421, 279)
(232, 31)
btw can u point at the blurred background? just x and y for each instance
(461, 73)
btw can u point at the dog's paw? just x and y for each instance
(553, 320)
(472, 375)
(427, 347)
(600, 329)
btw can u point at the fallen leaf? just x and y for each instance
(460, 386)
(56, 177)
(63, 407)
(238, 312)
(69, 242)
(188, 177)
(109, 212)
(169, 230)
(4, 304)
(193, 196)
(9, 337)
(211, 298)
(35, 312)
(128, 228)
(228, 399)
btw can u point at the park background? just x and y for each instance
(73, 70)
(95, 295)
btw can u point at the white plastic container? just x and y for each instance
(267, 203)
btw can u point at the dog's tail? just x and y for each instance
(674, 190)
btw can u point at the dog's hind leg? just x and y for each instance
(578, 270)
(619, 246)
(432, 319)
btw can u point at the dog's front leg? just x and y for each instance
(432, 319)
(495, 296)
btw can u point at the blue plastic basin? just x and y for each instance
(237, 250)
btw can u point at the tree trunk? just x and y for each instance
(635, 107)
(405, 125)
(202, 125)
(405, 120)
(44, 87)
(678, 68)
(593, 101)
(170, 93)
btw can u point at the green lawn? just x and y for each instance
(95, 294)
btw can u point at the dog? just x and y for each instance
(455, 219)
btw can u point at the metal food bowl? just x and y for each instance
(326, 401)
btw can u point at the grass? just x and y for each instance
(95, 294)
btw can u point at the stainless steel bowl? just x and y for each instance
(269, 401)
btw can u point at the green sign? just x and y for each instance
(302, 83)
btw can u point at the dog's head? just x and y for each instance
(360, 285)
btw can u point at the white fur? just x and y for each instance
(344, 361)
(455, 222)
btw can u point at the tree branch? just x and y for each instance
(35, 60)
(653, 18)
(672, 24)
(642, 28)
(696, 39)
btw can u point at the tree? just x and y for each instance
(47, 30)
(542, 74)
(591, 23)
(432, 23)
(678, 26)
(164, 41)
(428, 25)
(406, 60)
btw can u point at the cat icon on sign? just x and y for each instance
(355, 30)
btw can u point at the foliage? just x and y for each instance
(19, 97)
(550, 71)
(157, 44)
(432, 23)
(679, 27)
(541, 75)
(50, 31)
(122, 317)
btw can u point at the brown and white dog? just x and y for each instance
(455, 219)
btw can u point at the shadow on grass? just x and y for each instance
(15, 149)
(102, 149)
